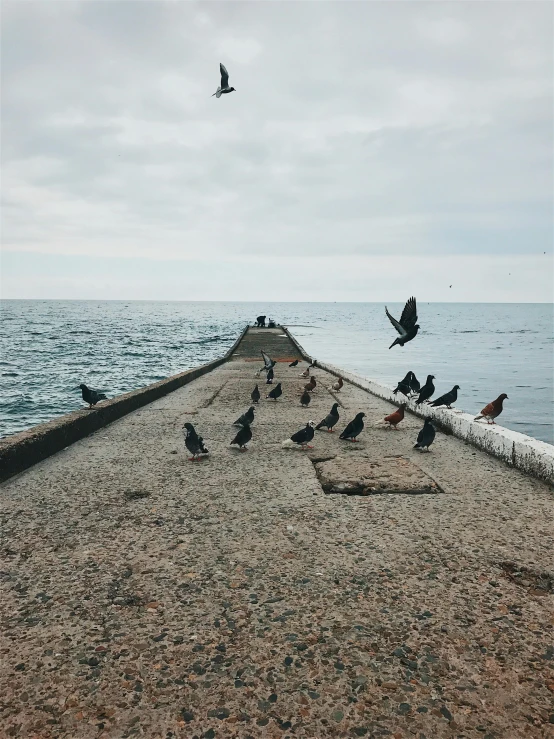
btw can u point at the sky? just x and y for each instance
(371, 151)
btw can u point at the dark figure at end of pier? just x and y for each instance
(260, 322)
(90, 396)
(271, 323)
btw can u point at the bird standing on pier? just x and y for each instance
(427, 390)
(331, 419)
(337, 386)
(194, 443)
(255, 395)
(224, 87)
(310, 387)
(404, 385)
(90, 396)
(354, 428)
(426, 436)
(276, 392)
(415, 387)
(305, 373)
(246, 419)
(242, 438)
(270, 376)
(294, 364)
(302, 437)
(394, 419)
(407, 325)
(306, 398)
(492, 410)
(447, 399)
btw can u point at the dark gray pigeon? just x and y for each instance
(255, 395)
(276, 392)
(306, 399)
(294, 364)
(330, 420)
(270, 376)
(407, 325)
(90, 396)
(415, 387)
(246, 419)
(447, 399)
(242, 438)
(194, 443)
(426, 391)
(302, 437)
(354, 428)
(404, 385)
(426, 436)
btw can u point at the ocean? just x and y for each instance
(47, 347)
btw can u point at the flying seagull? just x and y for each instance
(90, 396)
(407, 325)
(224, 83)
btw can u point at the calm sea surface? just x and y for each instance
(49, 347)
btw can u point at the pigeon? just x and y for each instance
(331, 419)
(407, 325)
(270, 376)
(394, 419)
(302, 437)
(305, 399)
(310, 387)
(268, 362)
(415, 387)
(242, 438)
(276, 392)
(426, 436)
(194, 443)
(305, 373)
(246, 419)
(427, 390)
(490, 411)
(294, 364)
(313, 364)
(447, 399)
(404, 385)
(255, 395)
(354, 428)
(90, 396)
(337, 385)
(224, 88)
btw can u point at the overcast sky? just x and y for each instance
(372, 150)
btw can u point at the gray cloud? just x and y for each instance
(357, 130)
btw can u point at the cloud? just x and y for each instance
(358, 135)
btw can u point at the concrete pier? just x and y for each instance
(353, 590)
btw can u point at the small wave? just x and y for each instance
(10, 374)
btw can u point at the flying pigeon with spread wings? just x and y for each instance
(407, 325)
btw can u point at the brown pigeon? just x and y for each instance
(337, 385)
(394, 419)
(311, 385)
(492, 410)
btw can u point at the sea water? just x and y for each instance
(47, 347)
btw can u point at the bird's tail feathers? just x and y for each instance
(321, 424)
(288, 444)
(394, 343)
(477, 418)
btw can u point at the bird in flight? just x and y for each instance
(407, 325)
(224, 88)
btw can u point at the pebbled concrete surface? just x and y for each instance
(145, 595)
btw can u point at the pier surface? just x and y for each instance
(146, 595)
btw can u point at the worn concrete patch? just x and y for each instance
(368, 476)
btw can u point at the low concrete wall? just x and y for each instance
(527, 454)
(23, 450)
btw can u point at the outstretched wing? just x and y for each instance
(408, 319)
(224, 76)
(395, 323)
(268, 362)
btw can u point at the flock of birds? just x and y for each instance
(407, 328)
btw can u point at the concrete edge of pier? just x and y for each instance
(529, 455)
(25, 449)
